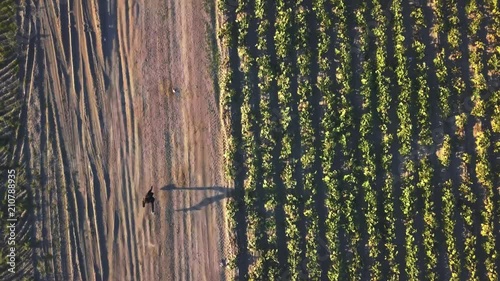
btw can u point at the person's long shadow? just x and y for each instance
(224, 192)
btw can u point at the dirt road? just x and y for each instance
(104, 126)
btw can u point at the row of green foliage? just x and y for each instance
(367, 168)
(329, 124)
(284, 49)
(448, 199)
(269, 131)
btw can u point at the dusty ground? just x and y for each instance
(104, 126)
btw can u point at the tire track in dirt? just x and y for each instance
(129, 121)
(51, 90)
(61, 200)
(79, 202)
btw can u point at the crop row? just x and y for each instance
(493, 65)
(284, 53)
(329, 124)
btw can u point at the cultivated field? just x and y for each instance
(351, 140)
(364, 138)
(100, 125)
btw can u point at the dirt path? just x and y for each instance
(104, 126)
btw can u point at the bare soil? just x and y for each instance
(104, 124)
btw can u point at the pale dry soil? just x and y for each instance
(104, 126)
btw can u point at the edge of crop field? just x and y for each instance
(11, 156)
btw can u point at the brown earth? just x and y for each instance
(104, 126)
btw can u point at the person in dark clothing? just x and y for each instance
(149, 199)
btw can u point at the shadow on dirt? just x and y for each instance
(223, 193)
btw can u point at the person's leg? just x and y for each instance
(152, 205)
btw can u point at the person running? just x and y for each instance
(149, 199)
